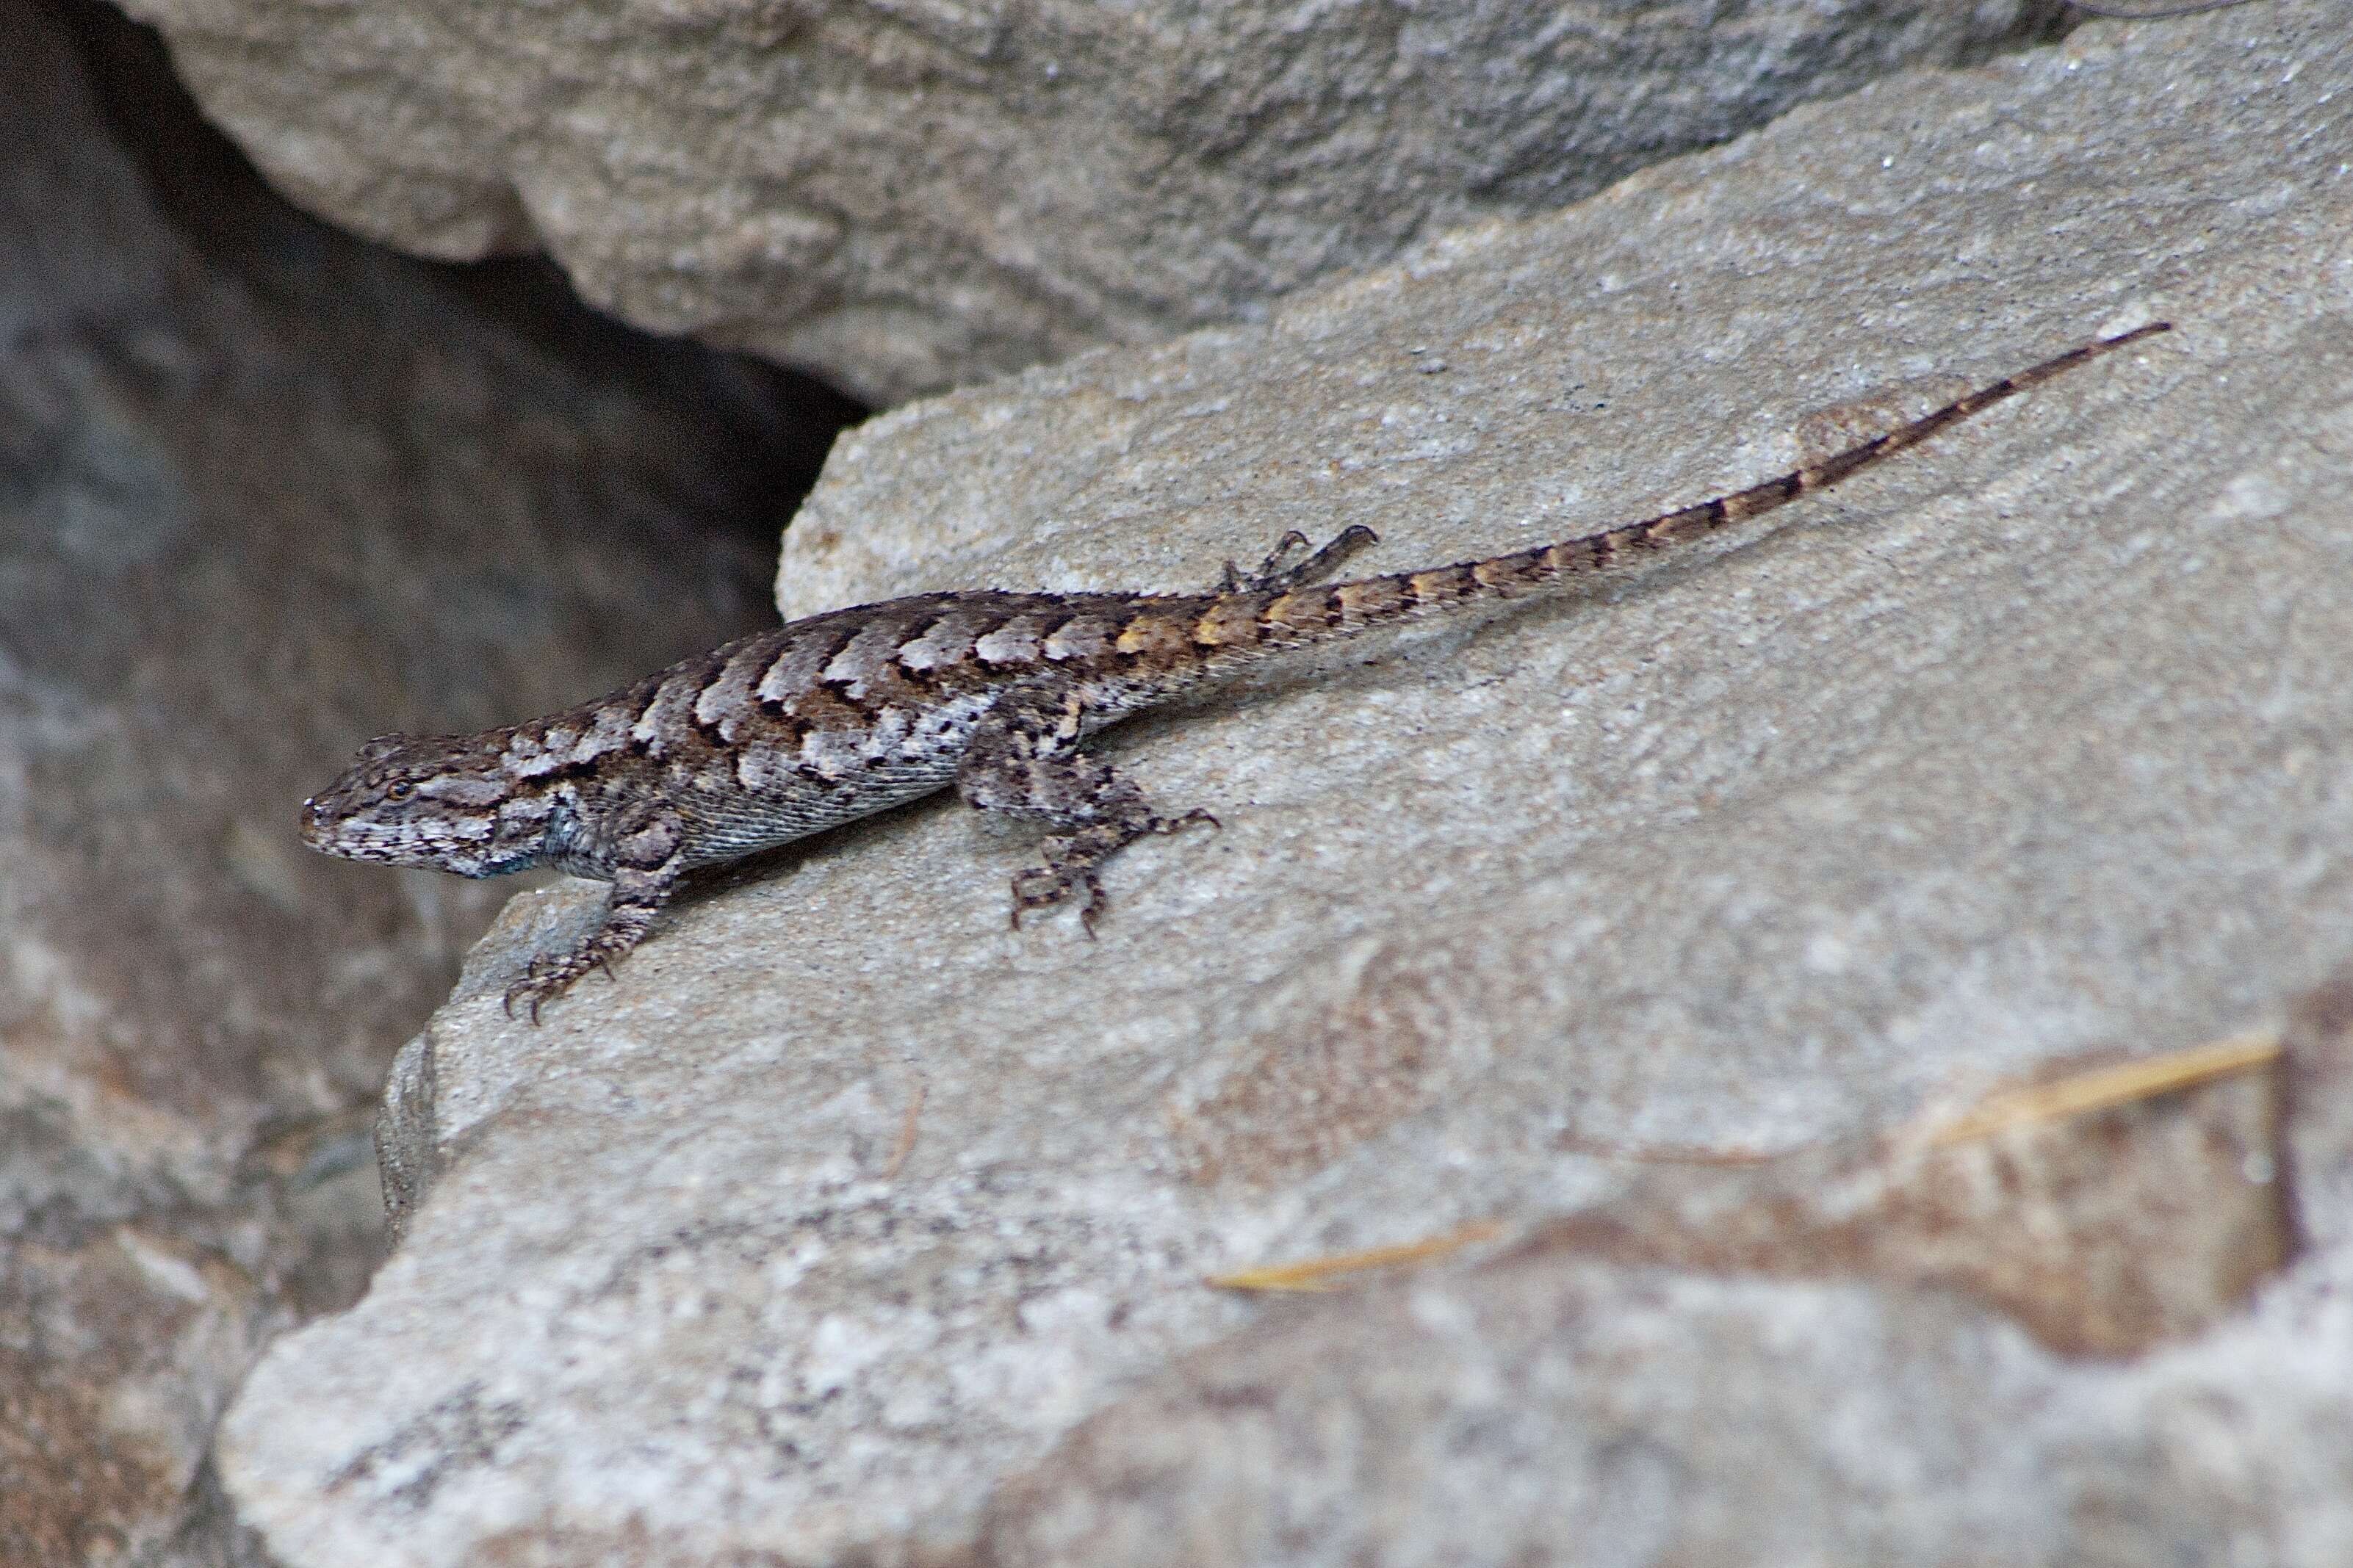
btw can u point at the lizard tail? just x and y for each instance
(1250, 623)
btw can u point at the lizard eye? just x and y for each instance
(401, 791)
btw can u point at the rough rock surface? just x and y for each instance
(264, 490)
(847, 1205)
(1546, 1408)
(906, 195)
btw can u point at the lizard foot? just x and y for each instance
(1272, 574)
(546, 978)
(543, 982)
(1070, 859)
(1043, 887)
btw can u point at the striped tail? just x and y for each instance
(1252, 622)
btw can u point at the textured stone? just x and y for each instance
(907, 196)
(115, 1357)
(2102, 1234)
(264, 490)
(1546, 1409)
(846, 1205)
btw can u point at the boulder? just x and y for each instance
(852, 1225)
(906, 196)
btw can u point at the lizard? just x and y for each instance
(798, 728)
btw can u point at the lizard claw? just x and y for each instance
(1043, 887)
(542, 981)
(528, 990)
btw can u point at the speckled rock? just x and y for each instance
(906, 196)
(843, 1209)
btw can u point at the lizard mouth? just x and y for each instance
(319, 831)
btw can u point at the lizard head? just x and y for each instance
(431, 800)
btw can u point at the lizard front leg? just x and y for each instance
(646, 858)
(1024, 761)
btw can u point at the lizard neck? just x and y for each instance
(521, 833)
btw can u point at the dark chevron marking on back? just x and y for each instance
(787, 733)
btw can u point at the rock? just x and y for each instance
(264, 492)
(2101, 1234)
(846, 1208)
(1544, 1408)
(907, 196)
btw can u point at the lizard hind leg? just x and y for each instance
(1273, 576)
(1024, 761)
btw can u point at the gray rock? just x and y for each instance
(264, 490)
(906, 196)
(844, 1208)
(116, 1355)
(1544, 1408)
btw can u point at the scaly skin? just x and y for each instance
(787, 733)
